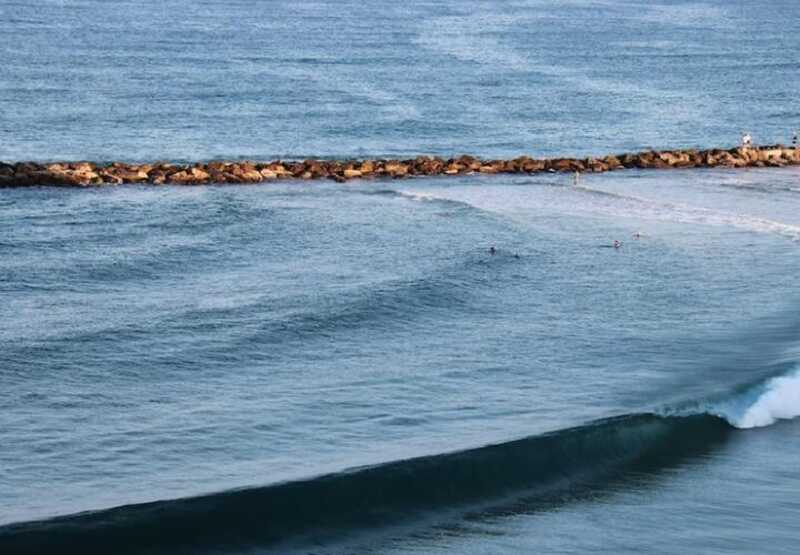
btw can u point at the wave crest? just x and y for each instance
(777, 399)
(573, 460)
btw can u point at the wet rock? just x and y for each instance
(296, 169)
(251, 176)
(533, 166)
(108, 177)
(594, 165)
(86, 173)
(770, 154)
(180, 178)
(281, 170)
(630, 160)
(129, 175)
(452, 167)
(158, 177)
(469, 162)
(612, 162)
(316, 169)
(396, 169)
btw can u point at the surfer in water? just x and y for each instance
(492, 250)
(617, 244)
(637, 235)
(576, 178)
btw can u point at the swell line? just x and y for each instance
(535, 471)
(379, 495)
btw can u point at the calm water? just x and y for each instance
(334, 368)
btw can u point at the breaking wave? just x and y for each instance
(385, 494)
(539, 466)
(765, 404)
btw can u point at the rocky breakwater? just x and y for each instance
(87, 174)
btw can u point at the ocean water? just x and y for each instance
(345, 368)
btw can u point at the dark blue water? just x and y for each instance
(151, 79)
(324, 368)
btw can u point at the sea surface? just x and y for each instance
(346, 368)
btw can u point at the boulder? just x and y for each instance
(158, 177)
(182, 177)
(396, 169)
(281, 170)
(453, 168)
(250, 176)
(200, 175)
(217, 166)
(630, 160)
(532, 166)
(470, 162)
(594, 165)
(612, 162)
(565, 165)
(129, 175)
(791, 155)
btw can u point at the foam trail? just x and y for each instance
(686, 213)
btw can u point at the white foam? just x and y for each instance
(779, 401)
(418, 197)
(598, 202)
(685, 213)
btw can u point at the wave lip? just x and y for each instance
(778, 399)
(385, 494)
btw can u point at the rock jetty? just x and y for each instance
(86, 174)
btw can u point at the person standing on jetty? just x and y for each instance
(794, 140)
(747, 140)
